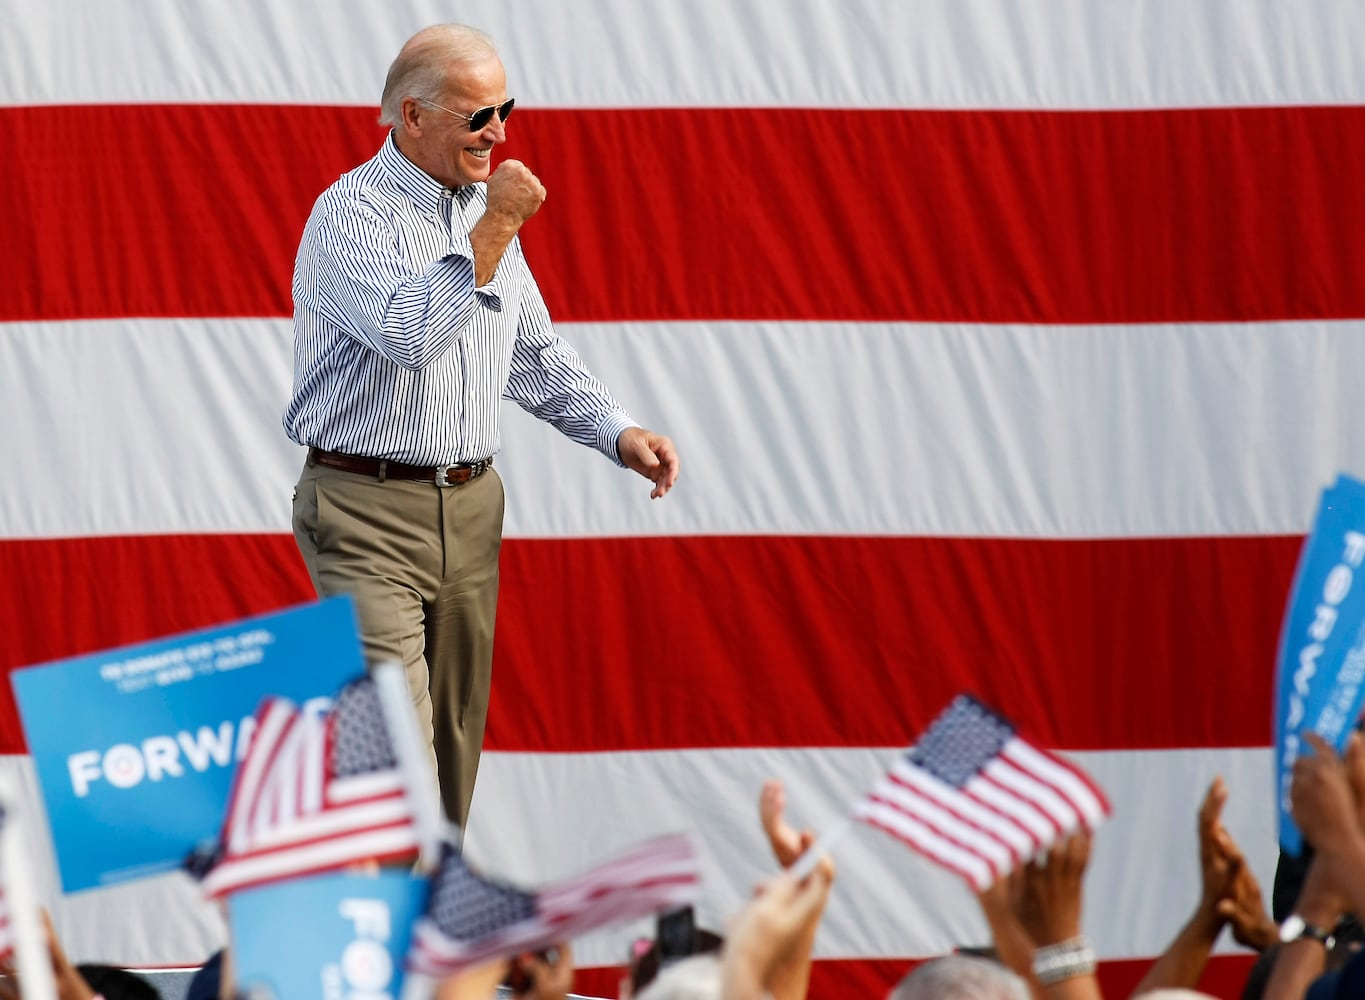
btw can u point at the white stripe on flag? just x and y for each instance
(1031, 789)
(1019, 839)
(276, 801)
(1076, 789)
(1024, 813)
(909, 830)
(268, 733)
(1184, 383)
(243, 872)
(359, 787)
(1000, 854)
(1071, 54)
(312, 826)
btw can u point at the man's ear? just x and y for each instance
(409, 113)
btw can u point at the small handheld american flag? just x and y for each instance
(978, 800)
(318, 790)
(472, 919)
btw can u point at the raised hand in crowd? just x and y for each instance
(785, 841)
(1035, 920)
(1013, 946)
(788, 844)
(1327, 796)
(767, 950)
(543, 977)
(1230, 895)
(1049, 909)
(772, 934)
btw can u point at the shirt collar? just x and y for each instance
(412, 180)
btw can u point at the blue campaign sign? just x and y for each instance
(135, 747)
(327, 937)
(1320, 669)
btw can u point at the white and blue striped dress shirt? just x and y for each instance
(397, 355)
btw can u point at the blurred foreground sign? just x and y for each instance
(337, 935)
(1320, 670)
(135, 747)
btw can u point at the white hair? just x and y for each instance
(421, 67)
(694, 978)
(961, 977)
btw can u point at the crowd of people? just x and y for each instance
(1038, 948)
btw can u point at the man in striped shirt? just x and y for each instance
(415, 313)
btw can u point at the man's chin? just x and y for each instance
(474, 167)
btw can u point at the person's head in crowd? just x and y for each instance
(695, 978)
(116, 984)
(646, 965)
(960, 977)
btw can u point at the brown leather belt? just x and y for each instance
(383, 468)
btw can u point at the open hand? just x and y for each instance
(652, 455)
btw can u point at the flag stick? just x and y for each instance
(31, 958)
(432, 826)
(805, 864)
(417, 986)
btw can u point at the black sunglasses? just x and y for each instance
(479, 120)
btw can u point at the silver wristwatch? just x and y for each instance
(1295, 927)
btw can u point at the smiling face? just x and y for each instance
(440, 143)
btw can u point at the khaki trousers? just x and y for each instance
(421, 564)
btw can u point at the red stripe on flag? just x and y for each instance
(754, 641)
(820, 641)
(990, 216)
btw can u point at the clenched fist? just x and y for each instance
(514, 192)
(514, 195)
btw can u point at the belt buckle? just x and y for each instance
(463, 473)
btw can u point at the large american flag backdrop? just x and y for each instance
(1007, 347)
